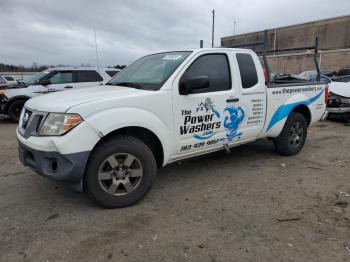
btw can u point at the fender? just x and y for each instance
(12, 99)
(132, 117)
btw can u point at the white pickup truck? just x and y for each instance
(109, 140)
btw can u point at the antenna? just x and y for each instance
(97, 61)
(212, 30)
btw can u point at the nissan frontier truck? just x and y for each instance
(109, 140)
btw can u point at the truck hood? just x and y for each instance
(340, 88)
(61, 101)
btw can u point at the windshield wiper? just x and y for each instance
(128, 84)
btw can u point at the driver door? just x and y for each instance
(200, 116)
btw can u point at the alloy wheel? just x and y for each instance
(120, 174)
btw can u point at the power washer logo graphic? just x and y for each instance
(203, 122)
(208, 105)
(206, 121)
(232, 122)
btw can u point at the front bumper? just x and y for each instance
(342, 113)
(67, 168)
(338, 110)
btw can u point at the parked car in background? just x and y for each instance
(344, 79)
(339, 99)
(280, 78)
(344, 72)
(312, 74)
(7, 81)
(338, 106)
(48, 81)
(3, 83)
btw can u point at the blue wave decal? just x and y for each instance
(232, 123)
(284, 110)
(206, 135)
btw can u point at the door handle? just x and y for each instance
(68, 87)
(230, 100)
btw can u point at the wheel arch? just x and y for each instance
(145, 135)
(13, 99)
(305, 111)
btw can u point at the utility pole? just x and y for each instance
(212, 32)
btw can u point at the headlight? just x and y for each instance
(336, 100)
(333, 100)
(57, 124)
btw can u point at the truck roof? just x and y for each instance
(83, 68)
(221, 49)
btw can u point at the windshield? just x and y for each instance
(36, 78)
(150, 72)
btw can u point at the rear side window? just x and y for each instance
(88, 76)
(216, 68)
(9, 78)
(247, 70)
(112, 73)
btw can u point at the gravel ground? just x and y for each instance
(249, 205)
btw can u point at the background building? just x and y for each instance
(334, 44)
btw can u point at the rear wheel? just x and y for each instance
(120, 172)
(293, 136)
(14, 110)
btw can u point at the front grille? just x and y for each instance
(25, 118)
(30, 122)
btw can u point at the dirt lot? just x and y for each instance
(250, 205)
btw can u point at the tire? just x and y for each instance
(14, 110)
(293, 136)
(113, 178)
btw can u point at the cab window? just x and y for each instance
(215, 67)
(247, 69)
(61, 78)
(88, 76)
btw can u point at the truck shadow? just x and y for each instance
(252, 155)
(6, 120)
(172, 178)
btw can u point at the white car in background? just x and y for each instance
(339, 94)
(7, 81)
(344, 79)
(52, 80)
(339, 99)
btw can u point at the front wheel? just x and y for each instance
(293, 136)
(120, 172)
(14, 110)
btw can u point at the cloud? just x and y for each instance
(61, 32)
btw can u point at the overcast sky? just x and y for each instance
(61, 31)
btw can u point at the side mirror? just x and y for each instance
(45, 82)
(193, 84)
